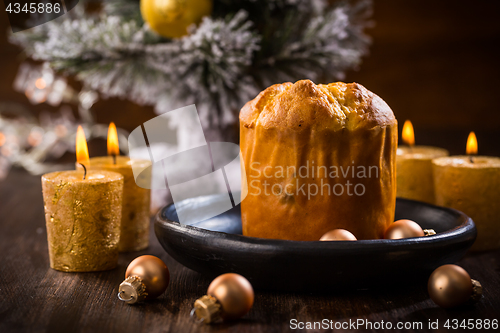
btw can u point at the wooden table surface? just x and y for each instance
(36, 298)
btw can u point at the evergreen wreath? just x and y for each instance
(243, 47)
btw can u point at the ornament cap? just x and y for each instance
(477, 291)
(132, 290)
(429, 232)
(207, 309)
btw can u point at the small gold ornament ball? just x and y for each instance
(403, 229)
(153, 273)
(450, 286)
(338, 235)
(171, 18)
(234, 293)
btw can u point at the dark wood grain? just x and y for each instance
(36, 298)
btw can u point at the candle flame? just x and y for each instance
(82, 151)
(471, 144)
(2, 139)
(113, 147)
(408, 134)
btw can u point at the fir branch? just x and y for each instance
(209, 64)
(326, 47)
(219, 65)
(119, 58)
(106, 53)
(126, 9)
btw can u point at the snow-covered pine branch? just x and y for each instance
(219, 65)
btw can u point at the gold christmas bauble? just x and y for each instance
(171, 18)
(153, 273)
(234, 293)
(450, 286)
(403, 229)
(338, 235)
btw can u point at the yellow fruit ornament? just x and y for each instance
(171, 18)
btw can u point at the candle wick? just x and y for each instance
(471, 159)
(84, 170)
(114, 158)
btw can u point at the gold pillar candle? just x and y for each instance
(136, 200)
(414, 167)
(414, 172)
(473, 188)
(83, 219)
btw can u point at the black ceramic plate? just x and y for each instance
(216, 246)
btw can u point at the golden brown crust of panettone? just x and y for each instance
(303, 104)
(289, 128)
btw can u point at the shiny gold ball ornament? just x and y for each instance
(146, 278)
(338, 235)
(450, 286)
(403, 229)
(229, 296)
(171, 18)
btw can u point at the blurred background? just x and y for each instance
(434, 62)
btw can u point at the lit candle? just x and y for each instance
(471, 184)
(414, 167)
(83, 214)
(136, 200)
